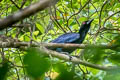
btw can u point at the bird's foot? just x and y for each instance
(76, 56)
(70, 57)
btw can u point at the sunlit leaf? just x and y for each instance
(40, 27)
(36, 33)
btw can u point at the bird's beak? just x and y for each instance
(89, 22)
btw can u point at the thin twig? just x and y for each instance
(26, 12)
(110, 17)
(73, 59)
(101, 13)
(77, 12)
(15, 4)
(55, 45)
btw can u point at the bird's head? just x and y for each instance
(87, 23)
(85, 26)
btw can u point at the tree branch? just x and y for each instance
(75, 60)
(101, 13)
(15, 4)
(26, 12)
(55, 45)
(65, 57)
(78, 11)
(110, 17)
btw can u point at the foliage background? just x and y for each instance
(66, 16)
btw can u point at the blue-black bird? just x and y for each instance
(76, 38)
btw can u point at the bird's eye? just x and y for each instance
(84, 23)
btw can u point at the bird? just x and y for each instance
(73, 38)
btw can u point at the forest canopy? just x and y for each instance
(28, 28)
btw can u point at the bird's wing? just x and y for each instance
(67, 38)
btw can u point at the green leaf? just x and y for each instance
(24, 38)
(36, 64)
(14, 8)
(40, 27)
(59, 67)
(115, 58)
(66, 76)
(4, 69)
(65, 72)
(116, 41)
(94, 55)
(36, 33)
(81, 19)
(112, 75)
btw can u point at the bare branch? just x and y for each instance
(58, 55)
(73, 59)
(55, 45)
(26, 12)
(78, 11)
(110, 17)
(101, 13)
(15, 4)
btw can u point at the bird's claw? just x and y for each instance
(70, 57)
